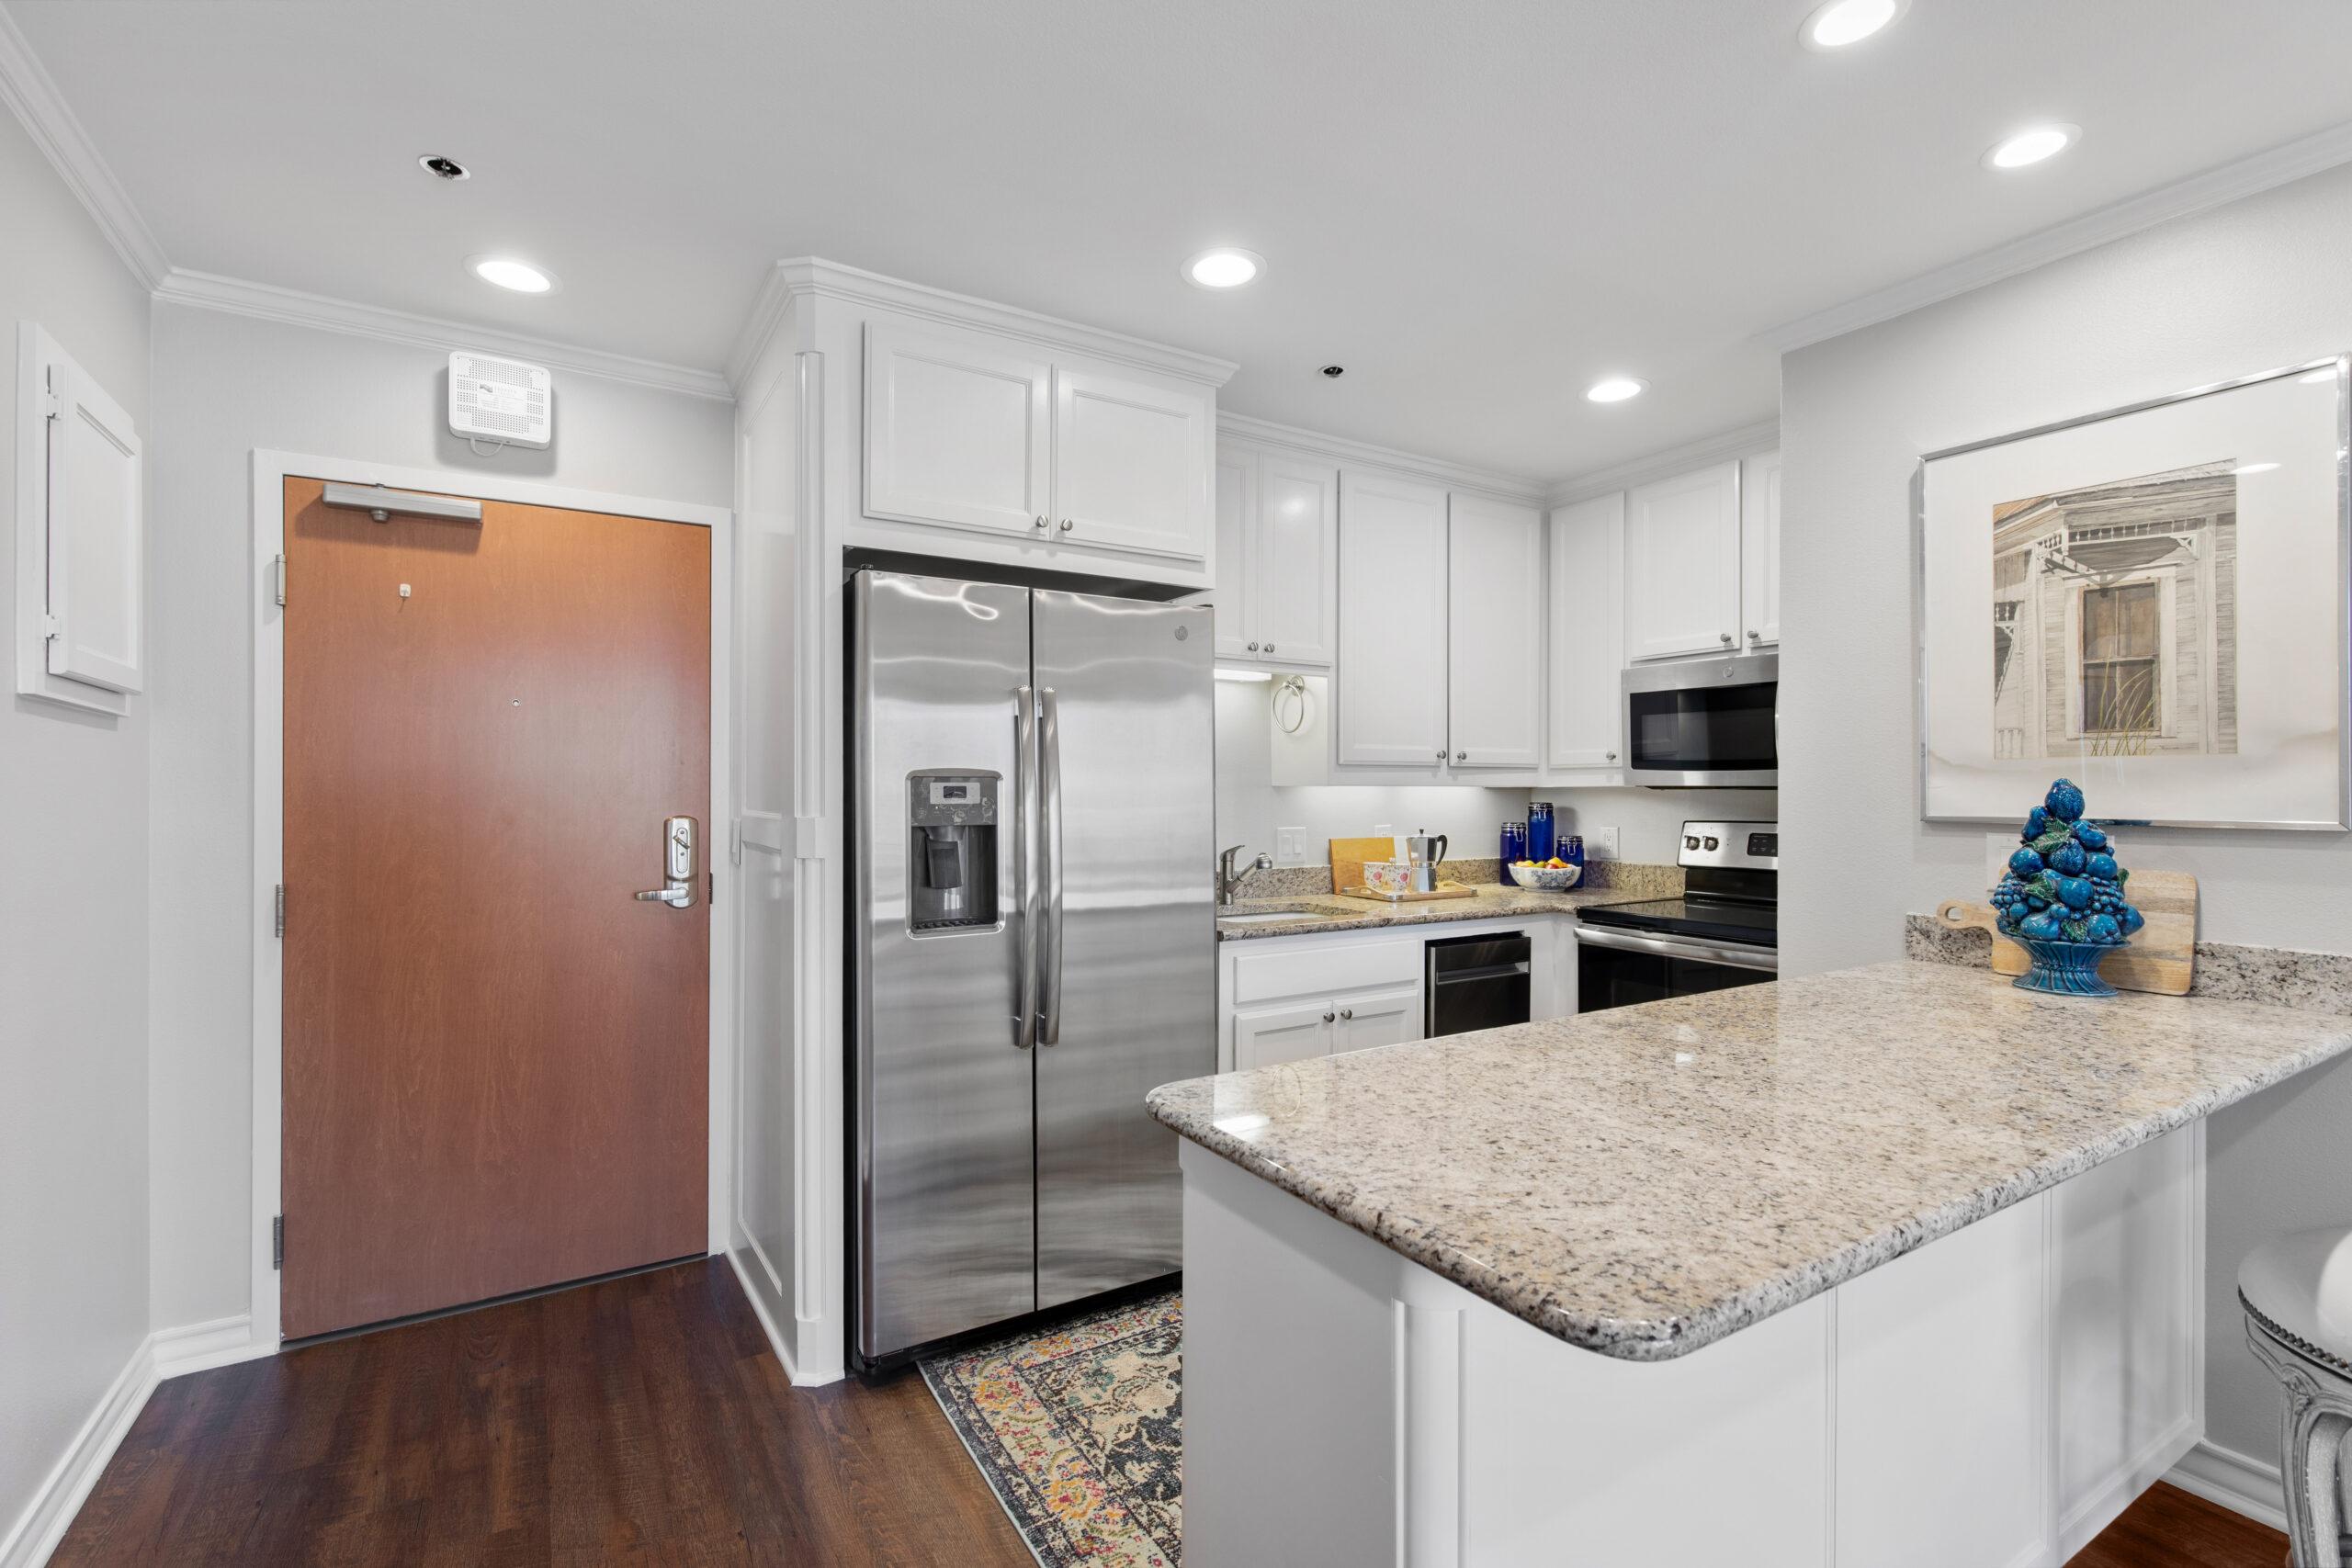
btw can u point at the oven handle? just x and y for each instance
(1730, 957)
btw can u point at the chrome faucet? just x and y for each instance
(1227, 879)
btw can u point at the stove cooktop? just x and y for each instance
(1751, 921)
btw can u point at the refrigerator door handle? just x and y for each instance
(1049, 748)
(1024, 863)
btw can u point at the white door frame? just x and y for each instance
(270, 471)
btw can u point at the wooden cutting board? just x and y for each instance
(1348, 856)
(2160, 956)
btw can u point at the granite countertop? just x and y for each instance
(1488, 901)
(1645, 1180)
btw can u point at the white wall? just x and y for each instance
(225, 385)
(72, 944)
(2246, 288)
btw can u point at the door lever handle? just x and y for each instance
(681, 857)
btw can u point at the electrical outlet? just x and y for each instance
(1600, 843)
(1290, 846)
(1998, 848)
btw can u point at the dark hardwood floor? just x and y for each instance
(635, 1420)
(639, 1420)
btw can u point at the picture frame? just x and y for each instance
(2153, 600)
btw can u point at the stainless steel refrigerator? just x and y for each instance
(1034, 944)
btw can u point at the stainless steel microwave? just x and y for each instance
(1704, 723)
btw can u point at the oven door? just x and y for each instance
(1709, 723)
(1617, 968)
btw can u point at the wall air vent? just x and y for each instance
(501, 400)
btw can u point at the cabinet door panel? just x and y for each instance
(1495, 636)
(1682, 565)
(1237, 502)
(1588, 652)
(957, 429)
(1759, 551)
(1131, 464)
(1294, 577)
(1391, 672)
(1378, 1018)
(1266, 1037)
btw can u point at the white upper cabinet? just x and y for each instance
(1587, 640)
(1277, 556)
(958, 428)
(1760, 551)
(1682, 565)
(1495, 636)
(1131, 464)
(966, 429)
(1391, 680)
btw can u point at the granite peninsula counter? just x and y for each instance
(1385, 1251)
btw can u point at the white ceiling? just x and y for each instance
(1476, 209)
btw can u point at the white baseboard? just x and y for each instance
(2239, 1483)
(2102, 1507)
(167, 1353)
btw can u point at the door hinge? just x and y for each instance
(277, 1241)
(277, 579)
(50, 630)
(52, 406)
(281, 908)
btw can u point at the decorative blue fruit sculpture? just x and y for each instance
(2062, 896)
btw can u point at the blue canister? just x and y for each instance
(1539, 830)
(1571, 850)
(1514, 850)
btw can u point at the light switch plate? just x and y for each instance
(1601, 845)
(1290, 846)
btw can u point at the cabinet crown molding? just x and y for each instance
(1347, 454)
(805, 276)
(1748, 441)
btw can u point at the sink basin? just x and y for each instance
(1277, 916)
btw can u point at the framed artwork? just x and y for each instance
(2151, 601)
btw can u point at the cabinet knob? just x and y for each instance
(1270, 647)
(1327, 1018)
(1612, 756)
(1068, 526)
(1725, 636)
(1462, 756)
(1440, 756)
(1347, 1012)
(1755, 635)
(1253, 648)
(1041, 522)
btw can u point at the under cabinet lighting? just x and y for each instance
(2032, 146)
(1225, 674)
(1843, 22)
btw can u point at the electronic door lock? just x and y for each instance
(681, 859)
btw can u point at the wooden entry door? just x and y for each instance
(496, 1058)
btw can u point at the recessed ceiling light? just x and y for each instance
(447, 168)
(1224, 267)
(1616, 389)
(1841, 22)
(2032, 146)
(508, 272)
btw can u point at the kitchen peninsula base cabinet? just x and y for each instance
(1991, 1400)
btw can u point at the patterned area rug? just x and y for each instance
(1079, 1431)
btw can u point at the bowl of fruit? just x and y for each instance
(1553, 875)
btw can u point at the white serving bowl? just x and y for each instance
(1549, 878)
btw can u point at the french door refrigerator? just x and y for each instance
(1033, 946)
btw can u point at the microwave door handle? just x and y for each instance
(1049, 750)
(1025, 864)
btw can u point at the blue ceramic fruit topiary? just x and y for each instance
(2063, 897)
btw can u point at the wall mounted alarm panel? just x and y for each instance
(501, 400)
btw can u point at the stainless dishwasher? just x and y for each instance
(1475, 982)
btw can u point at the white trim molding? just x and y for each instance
(26, 87)
(209, 291)
(2215, 188)
(270, 470)
(1515, 488)
(1744, 441)
(813, 275)
(2240, 1483)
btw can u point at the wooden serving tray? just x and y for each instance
(1442, 890)
(2160, 957)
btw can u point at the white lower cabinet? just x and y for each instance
(1378, 1018)
(1350, 1021)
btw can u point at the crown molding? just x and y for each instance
(25, 88)
(2215, 188)
(209, 291)
(813, 276)
(1744, 441)
(1347, 454)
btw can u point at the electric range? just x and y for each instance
(1722, 932)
